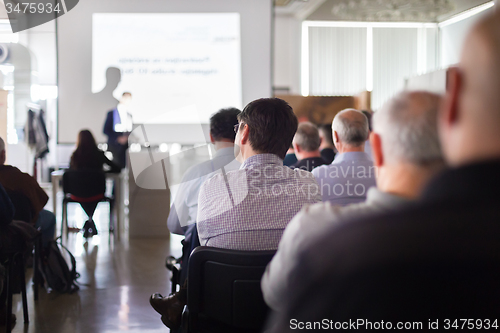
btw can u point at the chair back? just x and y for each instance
(22, 205)
(84, 183)
(224, 288)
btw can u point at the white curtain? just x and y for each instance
(337, 61)
(395, 58)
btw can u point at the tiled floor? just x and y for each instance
(116, 281)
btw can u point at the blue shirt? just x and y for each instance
(185, 207)
(347, 179)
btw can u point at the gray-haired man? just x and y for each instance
(407, 154)
(347, 179)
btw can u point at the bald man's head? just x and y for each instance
(351, 128)
(470, 117)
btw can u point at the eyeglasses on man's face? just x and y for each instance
(236, 128)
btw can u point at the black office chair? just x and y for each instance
(25, 212)
(22, 205)
(14, 265)
(224, 292)
(14, 245)
(87, 188)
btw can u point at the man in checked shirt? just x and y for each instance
(248, 209)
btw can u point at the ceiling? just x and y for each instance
(375, 10)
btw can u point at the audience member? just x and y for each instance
(327, 148)
(6, 208)
(15, 236)
(88, 157)
(306, 144)
(184, 210)
(290, 157)
(6, 215)
(437, 261)
(2, 306)
(347, 179)
(407, 154)
(248, 209)
(14, 180)
(368, 148)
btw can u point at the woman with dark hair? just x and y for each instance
(87, 156)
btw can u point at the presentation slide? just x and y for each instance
(180, 68)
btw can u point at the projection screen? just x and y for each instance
(182, 61)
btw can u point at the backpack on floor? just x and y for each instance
(55, 270)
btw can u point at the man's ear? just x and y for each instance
(450, 110)
(377, 153)
(212, 138)
(296, 147)
(244, 134)
(335, 137)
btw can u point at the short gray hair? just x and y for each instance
(407, 125)
(2, 145)
(307, 137)
(351, 126)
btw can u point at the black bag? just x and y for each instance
(54, 268)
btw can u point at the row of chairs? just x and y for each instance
(13, 259)
(84, 187)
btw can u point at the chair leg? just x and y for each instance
(66, 219)
(36, 258)
(10, 279)
(20, 263)
(64, 207)
(111, 221)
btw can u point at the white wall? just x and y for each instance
(434, 81)
(452, 38)
(286, 53)
(41, 42)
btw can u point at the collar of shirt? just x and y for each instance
(261, 159)
(122, 112)
(225, 152)
(384, 200)
(351, 156)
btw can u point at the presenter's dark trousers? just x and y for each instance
(119, 153)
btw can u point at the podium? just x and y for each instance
(149, 205)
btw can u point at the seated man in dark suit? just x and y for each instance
(306, 144)
(14, 237)
(431, 264)
(12, 179)
(6, 215)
